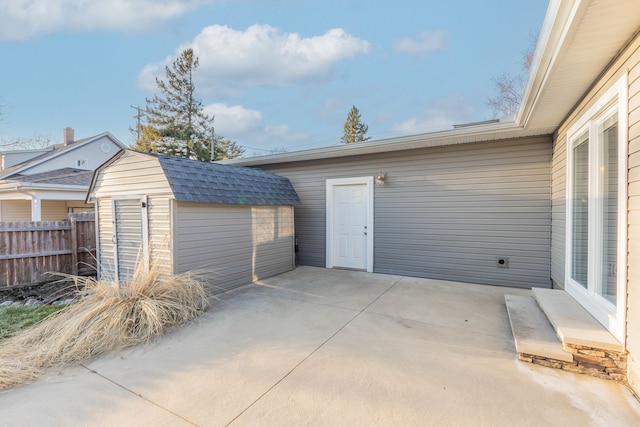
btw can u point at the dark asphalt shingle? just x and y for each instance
(204, 182)
(64, 176)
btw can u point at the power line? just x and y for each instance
(138, 117)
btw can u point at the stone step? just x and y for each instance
(532, 332)
(572, 323)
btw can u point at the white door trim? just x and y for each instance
(331, 183)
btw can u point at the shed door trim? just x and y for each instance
(144, 230)
(330, 184)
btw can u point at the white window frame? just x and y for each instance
(82, 160)
(330, 184)
(613, 101)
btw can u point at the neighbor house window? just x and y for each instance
(596, 208)
(82, 163)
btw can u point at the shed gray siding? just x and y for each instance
(444, 212)
(233, 245)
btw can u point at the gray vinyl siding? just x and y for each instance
(444, 212)
(633, 260)
(233, 245)
(558, 210)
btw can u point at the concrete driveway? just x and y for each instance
(329, 348)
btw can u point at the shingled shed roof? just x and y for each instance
(204, 182)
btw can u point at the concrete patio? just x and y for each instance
(328, 347)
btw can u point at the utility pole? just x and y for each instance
(213, 145)
(137, 116)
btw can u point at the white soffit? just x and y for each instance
(579, 40)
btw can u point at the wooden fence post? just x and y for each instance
(74, 244)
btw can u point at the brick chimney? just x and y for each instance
(68, 135)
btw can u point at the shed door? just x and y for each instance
(130, 235)
(350, 226)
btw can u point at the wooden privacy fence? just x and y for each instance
(31, 251)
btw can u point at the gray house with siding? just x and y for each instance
(548, 200)
(232, 225)
(447, 209)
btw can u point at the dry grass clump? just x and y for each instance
(109, 317)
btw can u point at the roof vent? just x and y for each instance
(466, 125)
(68, 135)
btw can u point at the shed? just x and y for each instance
(232, 224)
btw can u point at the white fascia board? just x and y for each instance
(561, 14)
(478, 133)
(23, 192)
(50, 193)
(34, 186)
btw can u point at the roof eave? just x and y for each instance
(89, 198)
(484, 132)
(559, 17)
(38, 186)
(81, 144)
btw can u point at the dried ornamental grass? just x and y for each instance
(109, 317)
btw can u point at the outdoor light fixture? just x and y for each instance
(381, 178)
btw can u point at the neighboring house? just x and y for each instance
(230, 224)
(47, 184)
(551, 199)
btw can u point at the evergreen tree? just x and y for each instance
(175, 122)
(354, 129)
(227, 149)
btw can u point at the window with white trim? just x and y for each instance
(596, 207)
(82, 163)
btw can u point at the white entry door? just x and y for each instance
(350, 221)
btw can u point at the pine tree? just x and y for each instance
(354, 129)
(175, 122)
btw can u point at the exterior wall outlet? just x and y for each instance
(502, 262)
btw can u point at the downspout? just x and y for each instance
(36, 209)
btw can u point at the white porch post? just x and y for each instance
(36, 209)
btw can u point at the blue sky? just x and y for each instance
(276, 73)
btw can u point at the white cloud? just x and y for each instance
(246, 126)
(234, 120)
(262, 55)
(427, 41)
(21, 19)
(441, 114)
